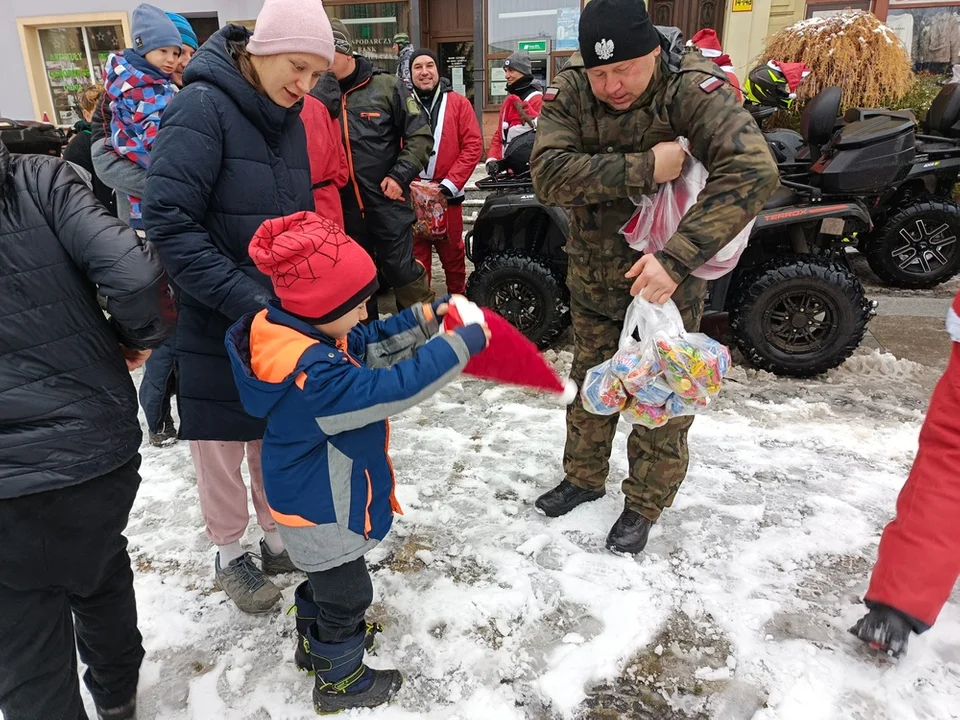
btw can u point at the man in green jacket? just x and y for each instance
(388, 142)
(607, 133)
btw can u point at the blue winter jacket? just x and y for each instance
(326, 465)
(226, 159)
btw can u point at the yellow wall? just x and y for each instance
(744, 32)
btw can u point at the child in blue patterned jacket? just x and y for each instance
(327, 385)
(138, 84)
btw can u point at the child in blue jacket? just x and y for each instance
(327, 385)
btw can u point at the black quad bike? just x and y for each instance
(795, 307)
(907, 181)
(25, 136)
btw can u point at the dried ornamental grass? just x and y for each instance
(853, 51)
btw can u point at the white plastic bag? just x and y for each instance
(667, 373)
(657, 218)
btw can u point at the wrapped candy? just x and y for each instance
(602, 392)
(667, 373)
(647, 415)
(430, 206)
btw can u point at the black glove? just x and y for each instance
(447, 193)
(493, 168)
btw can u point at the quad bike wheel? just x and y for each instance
(525, 291)
(799, 316)
(919, 247)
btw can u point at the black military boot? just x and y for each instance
(885, 630)
(629, 533)
(564, 498)
(342, 681)
(127, 711)
(307, 611)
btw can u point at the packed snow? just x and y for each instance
(739, 608)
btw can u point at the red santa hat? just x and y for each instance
(707, 42)
(509, 357)
(794, 73)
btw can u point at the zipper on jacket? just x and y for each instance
(346, 136)
(367, 525)
(394, 503)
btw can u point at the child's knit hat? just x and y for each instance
(317, 271)
(292, 26)
(152, 29)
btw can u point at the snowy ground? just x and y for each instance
(738, 609)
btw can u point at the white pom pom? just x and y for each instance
(470, 312)
(570, 391)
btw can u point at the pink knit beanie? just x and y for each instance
(292, 26)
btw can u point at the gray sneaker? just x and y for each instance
(244, 583)
(275, 564)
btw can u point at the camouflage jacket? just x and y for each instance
(592, 159)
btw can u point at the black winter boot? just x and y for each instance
(128, 711)
(564, 498)
(342, 681)
(307, 612)
(884, 629)
(629, 533)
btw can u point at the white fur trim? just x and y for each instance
(431, 168)
(570, 391)
(469, 312)
(953, 325)
(448, 184)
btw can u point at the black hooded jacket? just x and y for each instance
(68, 408)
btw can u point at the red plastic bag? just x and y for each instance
(658, 217)
(430, 204)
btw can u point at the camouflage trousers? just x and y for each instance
(657, 458)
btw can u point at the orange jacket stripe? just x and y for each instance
(275, 350)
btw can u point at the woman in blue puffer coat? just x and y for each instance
(231, 153)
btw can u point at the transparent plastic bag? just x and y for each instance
(658, 217)
(666, 373)
(430, 205)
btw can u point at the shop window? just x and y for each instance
(74, 57)
(930, 34)
(547, 29)
(372, 27)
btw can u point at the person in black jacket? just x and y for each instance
(388, 142)
(69, 439)
(78, 150)
(231, 153)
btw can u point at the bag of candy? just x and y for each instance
(602, 392)
(658, 217)
(430, 206)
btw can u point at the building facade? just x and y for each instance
(50, 48)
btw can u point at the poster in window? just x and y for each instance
(568, 21)
(930, 35)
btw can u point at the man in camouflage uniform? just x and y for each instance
(607, 133)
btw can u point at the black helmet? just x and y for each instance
(767, 85)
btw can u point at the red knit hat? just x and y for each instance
(317, 271)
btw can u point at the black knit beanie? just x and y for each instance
(424, 51)
(612, 31)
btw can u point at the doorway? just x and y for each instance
(203, 24)
(691, 16)
(447, 29)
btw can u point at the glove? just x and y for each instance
(493, 167)
(446, 191)
(438, 302)
(474, 337)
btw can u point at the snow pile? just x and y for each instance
(738, 609)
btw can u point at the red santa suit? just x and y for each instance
(328, 160)
(457, 148)
(707, 42)
(919, 555)
(526, 98)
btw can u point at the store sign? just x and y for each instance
(536, 46)
(742, 5)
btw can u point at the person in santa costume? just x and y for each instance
(457, 149)
(329, 171)
(520, 109)
(919, 557)
(707, 42)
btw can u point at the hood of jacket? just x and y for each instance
(259, 397)
(327, 91)
(129, 69)
(213, 64)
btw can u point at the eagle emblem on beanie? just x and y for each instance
(604, 49)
